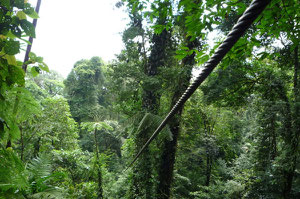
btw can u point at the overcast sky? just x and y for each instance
(70, 30)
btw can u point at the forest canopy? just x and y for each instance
(238, 136)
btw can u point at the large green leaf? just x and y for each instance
(12, 47)
(28, 28)
(14, 32)
(11, 60)
(21, 15)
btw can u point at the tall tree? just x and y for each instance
(83, 88)
(191, 44)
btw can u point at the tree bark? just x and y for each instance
(142, 175)
(169, 148)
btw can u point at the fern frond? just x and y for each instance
(12, 175)
(41, 178)
(39, 167)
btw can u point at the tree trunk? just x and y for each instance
(168, 160)
(169, 148)
(142, 175)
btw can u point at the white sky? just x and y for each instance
(70, 30)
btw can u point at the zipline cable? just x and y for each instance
(244, 22)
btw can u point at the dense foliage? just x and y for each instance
(237, 137)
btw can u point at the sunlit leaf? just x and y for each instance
(11, 60)
(202, 59)
(21, 15)
(32, 56)
(39, 59)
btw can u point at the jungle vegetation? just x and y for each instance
(237, 136)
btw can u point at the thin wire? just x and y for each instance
(244, 22)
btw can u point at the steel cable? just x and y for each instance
(244, 22)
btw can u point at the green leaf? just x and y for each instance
(44, 67)
(13, 177)
(14, 131)
(19, 4)
(31, 13)
(158, 28)
(202, 59)
(5, 3)
(11, 35)
(28, 28)
(180, 57)
(21, 15)
(15, 31)
(11, 60)
(180, 54)
(12, 47)
(17, 75)
(26, 41)
(39, 59)
(4, 28)
(32, 56)
(35, 71)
